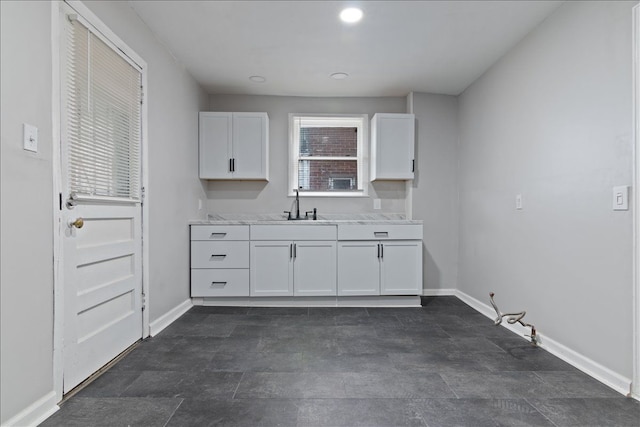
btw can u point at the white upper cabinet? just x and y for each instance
(392, 146)
(234, 146)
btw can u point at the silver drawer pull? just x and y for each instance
(219, 257)
(381, 233)
(218, 284)
(218, 235)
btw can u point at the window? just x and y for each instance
(103, 118)
(327, 155)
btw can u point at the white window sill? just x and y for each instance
(353, 194)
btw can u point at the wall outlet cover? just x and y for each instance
(30, 137)
(377, 204)
(621, 198)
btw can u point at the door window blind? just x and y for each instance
(103, 118)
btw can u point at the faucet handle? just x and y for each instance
(314, 212)
(288, 214)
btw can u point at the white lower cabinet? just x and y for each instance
(219, 260)
(380, 268)
(293, 268)
(306, 260)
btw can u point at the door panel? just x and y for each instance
(215, 145)
(271, 268)
(103, 287)
(314, 268)
(358, 268)
(249, 145)
(401, 268)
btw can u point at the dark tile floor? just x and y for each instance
(439, 365)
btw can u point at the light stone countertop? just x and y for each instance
(281, 219)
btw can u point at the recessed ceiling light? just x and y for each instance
(257, 79)
(339, 76)
(351, 15)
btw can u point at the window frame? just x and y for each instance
(361, 121)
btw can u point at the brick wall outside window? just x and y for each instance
(328, 175)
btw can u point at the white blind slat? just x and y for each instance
(103, 118)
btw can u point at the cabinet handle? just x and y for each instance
(233, 165)
(218, 235)
(413, 165)
(378, 250)
(382, 250)
(381, 233)
(230, 165)
(295, 247)
(218, 256)
(290, 250)
(218, 284)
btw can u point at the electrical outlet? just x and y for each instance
(621, 198)
(519, 202)
(377, 204)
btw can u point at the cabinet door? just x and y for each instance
(215, 145)
(314, 268)
(271, 268)
(250, 146)
(401, 267)
(358, 268)
(393, 140)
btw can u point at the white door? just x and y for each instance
(358, 268)
(101, 201)
(314, 268)
(103, 287)
(271, 269)
(401, 267)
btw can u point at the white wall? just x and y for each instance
(552, 121)
(271, 197)
(26, 197)
(174, 188)
(434, 190)
(27, 187)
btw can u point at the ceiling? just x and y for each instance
(398, 47)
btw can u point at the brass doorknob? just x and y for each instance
(78, 223)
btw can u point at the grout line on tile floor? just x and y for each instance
(540, 412)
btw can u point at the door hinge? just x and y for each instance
(141, 95)
(60, 200)
(144, 301)
(142, 192)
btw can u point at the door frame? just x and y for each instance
(635, 381)
(57, 225)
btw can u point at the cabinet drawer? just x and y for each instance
(219, 232)
(380, 232)
(220, 283)
(219, 254)
(293, 232)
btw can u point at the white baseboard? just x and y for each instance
(362, 301)
(601, 373)
(438, 292)
(35, 413)
(169, 317)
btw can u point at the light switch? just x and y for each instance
(519, 202)
(377, 204)
(621, 198)
(30, 137)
